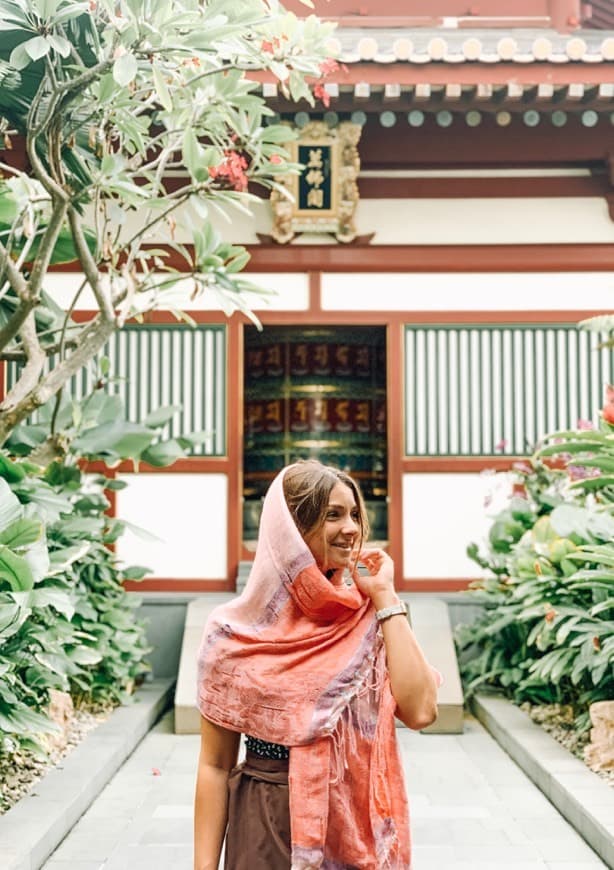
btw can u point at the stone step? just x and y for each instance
(430, 622)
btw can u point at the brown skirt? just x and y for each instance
(258, 835)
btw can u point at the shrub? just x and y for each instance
(546, 634)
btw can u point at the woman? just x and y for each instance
(313, 665)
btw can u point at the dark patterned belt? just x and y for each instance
(266, 750)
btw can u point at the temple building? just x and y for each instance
(452, 226)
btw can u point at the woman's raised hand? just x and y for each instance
(379, 583)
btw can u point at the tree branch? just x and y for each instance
(33, 367)
(14, 276)
(14, 324)
(88, 265)
(17, 406)
(46, 248)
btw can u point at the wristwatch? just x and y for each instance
(387, 612)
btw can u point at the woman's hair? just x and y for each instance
(307, 488)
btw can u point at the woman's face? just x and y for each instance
(333, 543)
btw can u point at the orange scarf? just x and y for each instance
(299, 661)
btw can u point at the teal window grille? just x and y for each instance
(478, 390)
(165, 365)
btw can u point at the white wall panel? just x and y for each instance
(442, 515)
(530, 220)
(362, 291)
(188, 512)
(290, 292)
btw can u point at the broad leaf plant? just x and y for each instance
(126, 124)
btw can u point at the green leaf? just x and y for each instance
(63, 602)
(21, 533)
(163, 453)
(11, 471)
(85, 655)
(15, 570)
(37, 47)
(59, 44)
(162, 90)
(127, 440)
(125, 69)
(56, 663)
(161, 416)
(9, 619)
(21, 719)
(10, 507)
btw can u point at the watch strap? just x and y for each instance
(393, 610)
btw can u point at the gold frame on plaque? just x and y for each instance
(289, 216)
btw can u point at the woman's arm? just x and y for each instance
(219, 749)
(412, 679)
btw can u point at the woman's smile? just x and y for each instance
(333, 542)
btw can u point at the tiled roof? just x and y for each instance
(457, 46)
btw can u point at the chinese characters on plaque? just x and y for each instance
(323, 198)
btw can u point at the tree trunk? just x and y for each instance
(17, 406)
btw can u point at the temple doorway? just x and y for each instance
(315, 392)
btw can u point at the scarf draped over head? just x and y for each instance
(299, 661)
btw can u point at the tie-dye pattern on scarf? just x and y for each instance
(298, 661)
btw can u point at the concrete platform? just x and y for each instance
(430, 622)
(31, 830)
(471, 808)
(582, 797)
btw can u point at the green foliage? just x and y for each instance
(112, 99)
(546, 633)
(65, 620)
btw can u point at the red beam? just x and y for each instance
(432, 258)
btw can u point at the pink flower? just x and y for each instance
(585, 424)
(578, 472)
(155, 771)
(501, 445)
(275, 158)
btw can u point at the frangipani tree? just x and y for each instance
(136, 118)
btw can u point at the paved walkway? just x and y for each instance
(472, 809)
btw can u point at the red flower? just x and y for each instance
(608, 408)
(328, 66)
(275, 158)
(266, 46)
(320, 93)
(549, 615)
(232, 169)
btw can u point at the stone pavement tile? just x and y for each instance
(431, 857)
(575, 865)
(73, 865)
(499, 855)
(488, 865)
(168, 832)
(85, 847)
(151, 858)
(566, 848)
(524, 801)
(173, 811)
